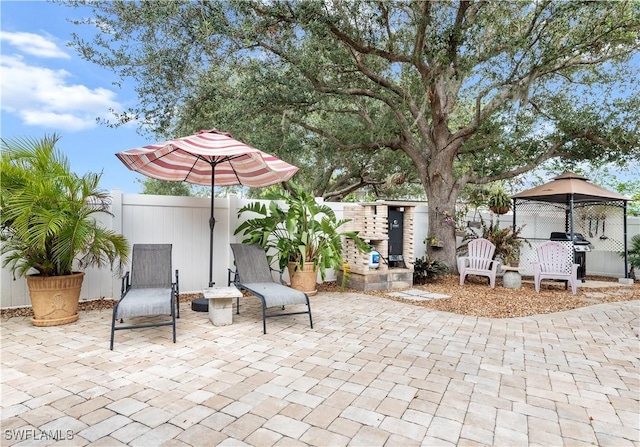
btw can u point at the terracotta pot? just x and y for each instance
(54, 299)
(303, 279)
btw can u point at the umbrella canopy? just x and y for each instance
(209, 154)
(209, 157)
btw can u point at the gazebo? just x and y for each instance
(578, 211)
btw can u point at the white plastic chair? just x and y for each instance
(480, 261)
(555, 261)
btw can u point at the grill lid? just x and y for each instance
(578, 238)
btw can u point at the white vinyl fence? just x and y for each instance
(184, 222)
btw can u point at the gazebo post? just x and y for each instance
(624, 239)
(571, 217)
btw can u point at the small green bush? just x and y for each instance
(425, 270)
(634, 252)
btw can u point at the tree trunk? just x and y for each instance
(442, 190)
(440, 200)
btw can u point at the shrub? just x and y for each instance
(633, 252)
(507, 240)
(425, 270)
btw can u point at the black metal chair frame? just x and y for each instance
(129, 292)
(267, 301)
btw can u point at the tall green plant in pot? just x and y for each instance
(305, 234)
(48, 225)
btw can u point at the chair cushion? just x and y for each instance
(146, 301)
(275, 294)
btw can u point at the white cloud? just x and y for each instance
(56, 120)
(42, 96)
(33, 44)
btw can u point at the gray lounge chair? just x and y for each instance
(148, 291)
(253, 274)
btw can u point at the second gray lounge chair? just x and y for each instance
(253, 274)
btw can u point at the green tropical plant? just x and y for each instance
(47, 221)
(498, 200)
(513, 256)
(633, 252)
(302, 232)
(476, 196)
(507, 240)
(425, 270)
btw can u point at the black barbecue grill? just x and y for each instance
(580, 248)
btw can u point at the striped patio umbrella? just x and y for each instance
(209, 157)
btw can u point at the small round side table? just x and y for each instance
(511, 278)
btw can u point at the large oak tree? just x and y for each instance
(448, 93)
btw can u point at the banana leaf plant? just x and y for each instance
(300, 230)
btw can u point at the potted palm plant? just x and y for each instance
(304, 233)
(48, 227)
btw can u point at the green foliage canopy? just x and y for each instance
(165, 188)
(443, 94)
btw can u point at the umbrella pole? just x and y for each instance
(212, 224)
(202, 304)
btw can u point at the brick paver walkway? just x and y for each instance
(372, 372)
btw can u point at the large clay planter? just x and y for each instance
(303, 279)
(54, 299)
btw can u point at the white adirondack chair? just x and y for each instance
(555, 262)
(479, 262)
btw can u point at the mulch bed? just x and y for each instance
(474, 298)
(478, 299)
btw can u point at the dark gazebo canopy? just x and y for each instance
(570, 189)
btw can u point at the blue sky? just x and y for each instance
(47, 88)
